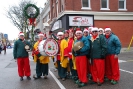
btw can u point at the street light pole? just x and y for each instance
(32, 24)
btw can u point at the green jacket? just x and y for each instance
(99, 47)
(19, 49)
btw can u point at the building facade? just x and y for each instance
(116, 14)
(42, 21)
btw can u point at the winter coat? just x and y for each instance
(84, 50)
(19, 49)
(98, 48)
(113, 45)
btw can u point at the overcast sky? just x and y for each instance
(6, 26)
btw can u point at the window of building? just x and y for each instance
(105, 5)
(85, 4)
(122, 4)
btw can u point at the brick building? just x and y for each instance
(116, 14)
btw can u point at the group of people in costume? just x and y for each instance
(21, 54)
(90, 56)
(85, 56)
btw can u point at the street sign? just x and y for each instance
(6, 36)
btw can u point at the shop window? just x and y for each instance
(85, 4)
(122, 4)
(105, 5)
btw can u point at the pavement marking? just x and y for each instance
(57, 81)
(120, 61)
(129, 60)
(126, 71)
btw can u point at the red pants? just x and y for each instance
(81, 65)
(98, 70)
(112, 68)
(23, 66)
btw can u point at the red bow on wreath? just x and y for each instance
(32, 20)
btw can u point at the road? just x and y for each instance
(10, 80)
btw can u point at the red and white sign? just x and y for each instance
(80, 21)
(51, 47)
(48, 47)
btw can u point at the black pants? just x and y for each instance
(62, 72)
(73, 72)
(4, 51)
(41, 69)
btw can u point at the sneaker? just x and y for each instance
(82, 84)
(63, 79)
(114, 82)
(111, 81)
(28, 78)
(21, 78)
(106, 79)
(78, 81)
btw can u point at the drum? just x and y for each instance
(48, 47)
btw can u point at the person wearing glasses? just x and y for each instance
(111, 61)
(81, 59)
(101, 31)
(98, 52)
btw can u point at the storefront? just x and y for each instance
(74, 21)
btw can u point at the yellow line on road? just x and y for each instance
(129, 60)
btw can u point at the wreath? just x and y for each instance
(31, 5)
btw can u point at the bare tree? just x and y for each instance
(16, 15)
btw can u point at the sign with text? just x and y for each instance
(80, 21)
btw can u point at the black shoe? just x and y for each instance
(82, 84)
(28, 78)
(21, 78)
(99, 84)
(45, 77)
(92, 82)
(36, 77)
